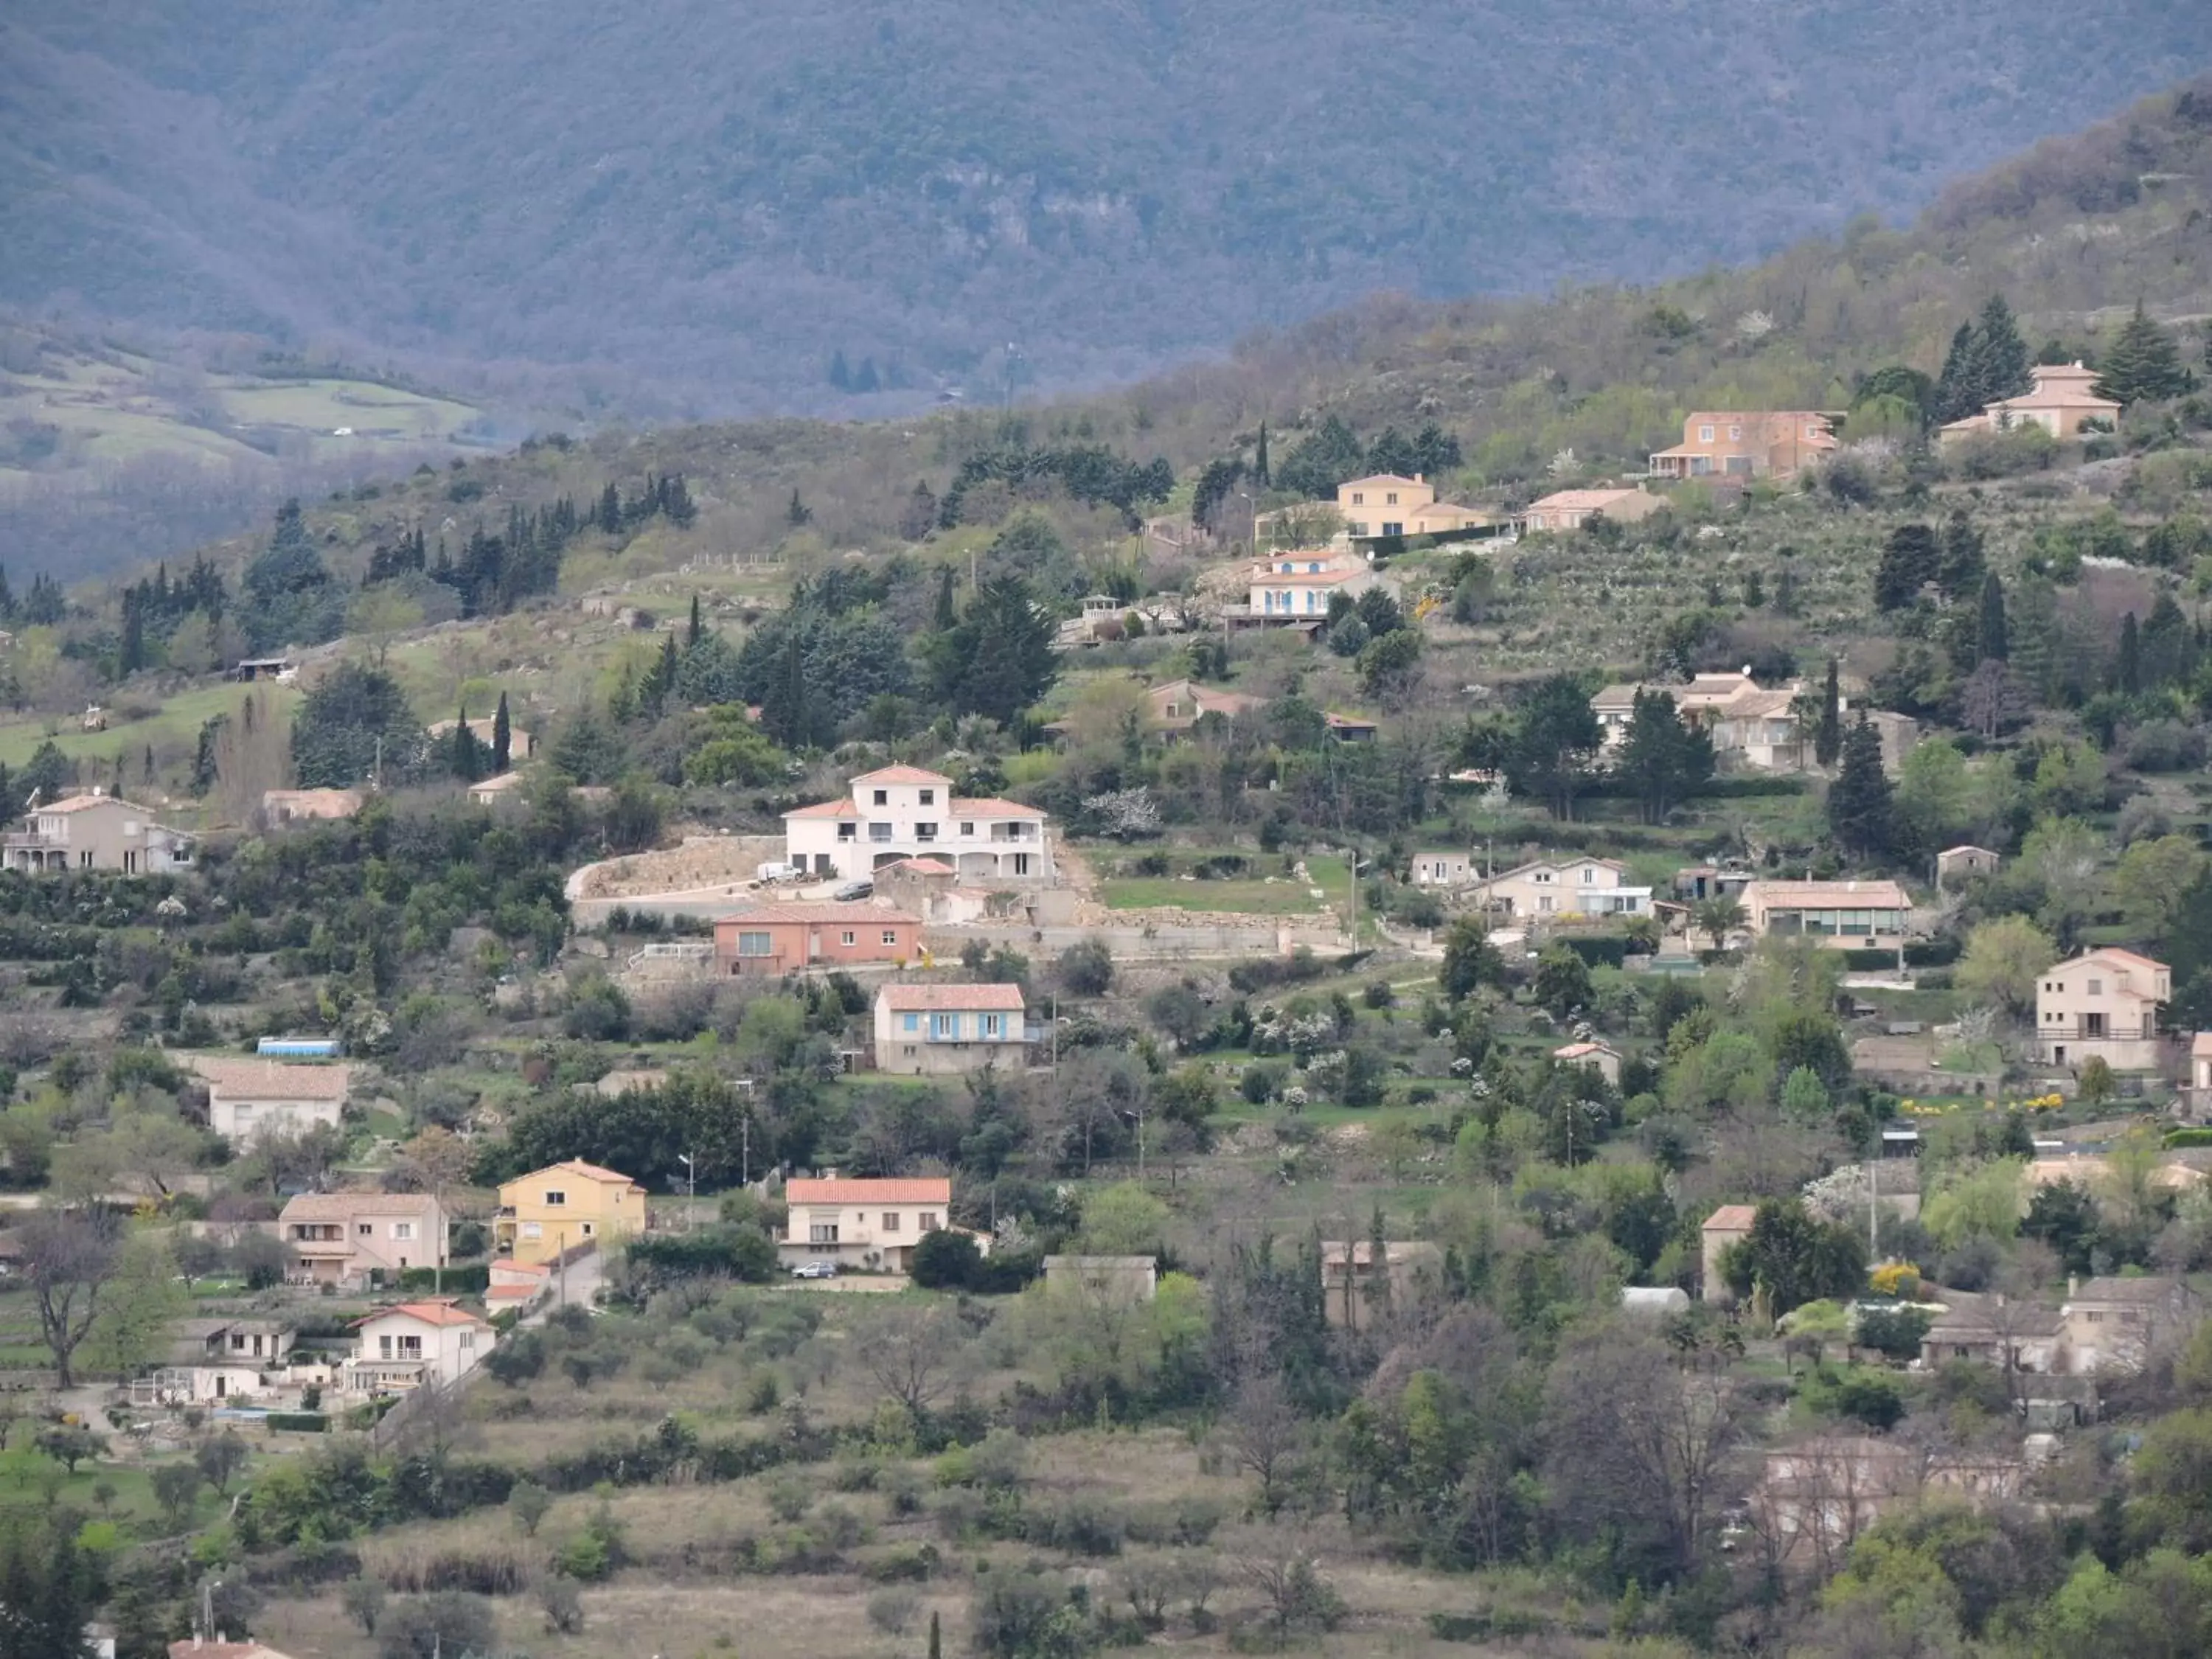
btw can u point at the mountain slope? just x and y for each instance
(684, 194)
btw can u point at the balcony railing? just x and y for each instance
(2109, 1030)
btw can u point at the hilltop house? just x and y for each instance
(1296, 587)
(1387, 504)
(343, 1238)
(1570, 509)
(1172, 709)
(2062, 400)
(247, 1098)
(1729, 1224)
(1751, 726)
(1746, 444)
(549, 1212)
(1844, 915)
(96, 831)
(2104, 1004)
(2119, 1324)
(212, 1360)
(902, 812)
(1433, 867)
(412, 1343)
(1563, 889)
(1600, 1057)
(1955, 865)
(864, 1223)
(923, 1029)
(787, 938)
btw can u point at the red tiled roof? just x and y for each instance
(1732, 1217)
(430, 1313)
(928, 1190)
(990, 806)
(2123, 954)
(920, 866)
(1580, 501)
(806, 911)
(920, 999)
(903, 775)
(825, 809)
(79, 802)
(576, 1166)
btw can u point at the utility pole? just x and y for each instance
(560, 1244)
(745, 1148)
(691, 1185)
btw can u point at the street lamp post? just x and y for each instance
(691, 1188)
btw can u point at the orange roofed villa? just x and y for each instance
(1746, 444)
(1570, 509)
(866, 1223)
(2102, 1005)
(2064, 401)
(900, 813)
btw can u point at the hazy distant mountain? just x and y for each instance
(699, 202)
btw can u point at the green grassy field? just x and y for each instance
(179, 722)
(1256, 898)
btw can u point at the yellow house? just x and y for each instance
(554, 1209)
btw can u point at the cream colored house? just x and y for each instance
(96, 831)
(343, 1238)
(1546, 890)
(2119, 1324)
(2198, 1090)
(1356, 1290)
(2103, 1004)
(2062, 398)
(412, 1343)
(1844, 915)
(249, 1099)
(551, 1211)
(1600, 1057)
(1746, 443)
(903, 812)
(1387, 504)
(1729, 1224)
(211, 1361)
(1570, 509)
(922, 1030)
(1175, 707)
(1753, 726)
(1433, 867)
(864, 1223)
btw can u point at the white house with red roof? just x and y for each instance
(96, 831)
(411, 1343)
(864, 1223)
(2103, 1004)
(248, 1099)
(899, 813)
(1296, 587)
(925, 1028)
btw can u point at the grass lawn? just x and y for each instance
(1257, 898)
(178, 723)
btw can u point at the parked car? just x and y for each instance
(853, 889)
(815, 1270)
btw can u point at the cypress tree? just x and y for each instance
(2127, 672)
(7, 597)
(2144, 364)
(841, 375)
(1957, 389)
(1828, 737)
(502, 738)
(1910, 558)
(692, 633)
(610, 509)
(798, 512)
(467, 760)
(1259, 471)
(947, 617)
(1959, 572)
(1860, 815)
(1996, 644)
(936, 1642)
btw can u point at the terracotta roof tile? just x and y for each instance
(903, 774)
(430, 1313)
(825, 809)
(925, 1190)
(270, 1079)
(808, 911)
(1732, 1217)
(918, 999)
(990, 806)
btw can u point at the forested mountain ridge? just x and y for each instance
(691, 205)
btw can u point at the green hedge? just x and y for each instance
(459, 1281)
(1863, 962)
(2189, 1138)
(298, 1422)
(1940, 953)
(1598, 949)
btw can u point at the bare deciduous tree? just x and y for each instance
(915, 1356)
(70, 1258)
(1265, 1436)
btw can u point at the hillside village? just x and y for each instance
(1324, 1044)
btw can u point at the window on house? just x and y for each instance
(555, 1199)
(384, 1347)
(1021, 864)
(410, 1347)
(968, 829)
(1359, 498)
(403, 1230)
(533, 1230)
(756, 944)
(587, 1230)
(879, 832)
(992, 1026)
(945, 1025)
(891, 1221)
(365, 1230)
(1735, 432)
(890, 936)
(468, 1341)
(848, 832)
(1390, 500)
(845, 938)
(1705, 434)
(882, 798)
(929, 798)
(913, 1021)
(2096, 988)
(928, 1221)
(821, 1232)
(925, 832)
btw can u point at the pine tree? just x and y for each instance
(693, 629)
(1860, 816)
(864, 378)
(1909, 559)
(798, 512)
(468, 753)
(1958, 392)
(502, 739)
(2001, 356)
(1259, 473)
(2127, 672)
(660, 684)
(841, 375)
(610, 509)
(1995, 640)
(1828, 737)
(2144, 365)
(1959, 571)
(134, 632)
(947, 617)
(918, 517)
(7, 597)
